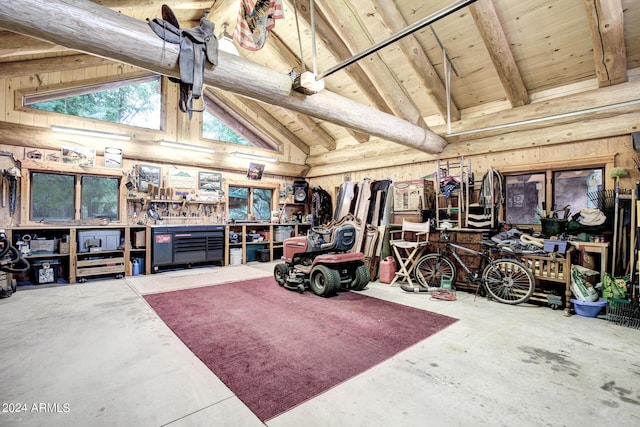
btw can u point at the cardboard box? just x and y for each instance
(140, 239)
(39, 247)
(265, 235)
(63, 247)
(413, 195)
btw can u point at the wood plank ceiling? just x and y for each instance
(503, 55)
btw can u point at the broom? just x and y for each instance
(616, 173)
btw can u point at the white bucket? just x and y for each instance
(235, 256)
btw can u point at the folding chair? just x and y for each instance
(413, 241)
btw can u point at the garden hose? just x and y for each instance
(11, 261)
(530, 240)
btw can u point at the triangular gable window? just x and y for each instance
(214, 128)
(134, 102)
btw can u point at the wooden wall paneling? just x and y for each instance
(9, 100)
(611, 152)
(4, 94)
(170, 110)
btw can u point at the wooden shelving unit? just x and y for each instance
(69, 261)
(272, 238)
(452, 205)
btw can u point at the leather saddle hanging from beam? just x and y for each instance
(196, 44)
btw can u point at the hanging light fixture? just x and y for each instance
(255, 157)
(225, 42)
(189, 147)
(94, 133)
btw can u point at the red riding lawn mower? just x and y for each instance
(321, 261)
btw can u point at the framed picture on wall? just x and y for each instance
(81, 156)
(209, 181)
(255, 171)
(148, 175)
(112, 157)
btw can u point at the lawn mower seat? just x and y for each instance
(342, 238)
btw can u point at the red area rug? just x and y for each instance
(275, 348)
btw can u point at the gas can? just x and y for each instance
(387, 269)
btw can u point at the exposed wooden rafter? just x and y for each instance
(486, 19)
(606, 23)
(64, 23)
(380, 74)
(49, 65)
(337, 47)
(431, 85)
(284, 55)
(603, 118)
(17, 44)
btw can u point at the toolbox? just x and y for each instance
(45, 271)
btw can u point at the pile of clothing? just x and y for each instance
(515, 241)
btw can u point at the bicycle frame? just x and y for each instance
(448, 249)
(506, 280)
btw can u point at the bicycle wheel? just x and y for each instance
(508, 281)
(431, 268)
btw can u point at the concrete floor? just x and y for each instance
(95, 354)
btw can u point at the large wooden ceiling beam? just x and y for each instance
(356, 38)
(606, 23)
(17, 44)
(87, 27)
(39, 138)
(619, 99)
(598, 113)
(592, 129)
(417, 59)
(49, 65)
(140, 4)
(488, 24)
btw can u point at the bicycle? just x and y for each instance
(506, 280)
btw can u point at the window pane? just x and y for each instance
(136, 104)
(262, 203)
(574, 188)
(100, 197)
(238, 202)
(525, 194)
(52, 196)
(213, 128)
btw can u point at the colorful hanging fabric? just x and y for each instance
(256, 19)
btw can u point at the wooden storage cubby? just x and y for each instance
(100, 264)
(61, 253)
(67, 253)
(272, 239)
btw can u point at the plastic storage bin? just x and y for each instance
(588, 308)
(264, 255)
